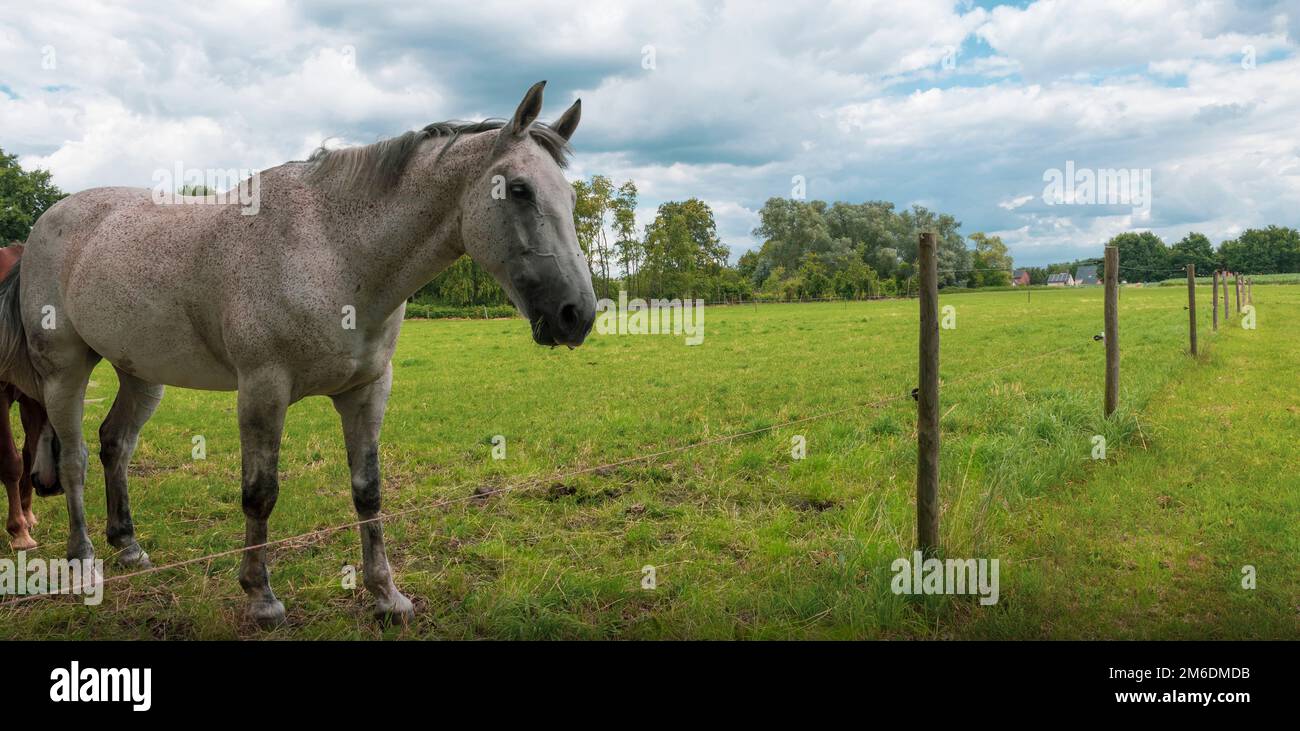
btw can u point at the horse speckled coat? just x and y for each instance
(202, 296)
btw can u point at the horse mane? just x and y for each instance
(377, 167)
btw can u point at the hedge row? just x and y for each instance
(418, 310)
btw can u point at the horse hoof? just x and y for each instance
(394, 609)
(22, 542)
(267, 615)
(133, 558)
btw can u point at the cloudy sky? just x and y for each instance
(957, 105)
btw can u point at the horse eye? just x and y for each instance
(521, 191)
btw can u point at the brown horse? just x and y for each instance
(15, 470)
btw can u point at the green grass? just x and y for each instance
(748, 543)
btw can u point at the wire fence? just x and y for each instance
(304, 539)
(909, 293)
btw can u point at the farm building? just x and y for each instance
(1020, 278)
(1086, 276)
(1060, 279)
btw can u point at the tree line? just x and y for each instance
(810, 249)
(1145, 257)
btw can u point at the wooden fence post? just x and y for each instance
(1225, 296)
(1191, 304)
(1214, 291)
(927, 409)
(1236, 290)
(1111, 332)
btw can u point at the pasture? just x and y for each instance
(1200, 479)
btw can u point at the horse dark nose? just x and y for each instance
(575, 321)
(569, 317)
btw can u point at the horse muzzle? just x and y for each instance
(569, 324)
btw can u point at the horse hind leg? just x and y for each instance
(11, 472)
(65, 392)
(20, 537)
(34, 422)
(136, 401)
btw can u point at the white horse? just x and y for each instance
(304, 298)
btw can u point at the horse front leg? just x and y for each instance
(263, 401)
(362, 412)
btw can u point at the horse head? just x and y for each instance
(517, 223)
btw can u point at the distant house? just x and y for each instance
(1020, 278)
(1061, 279)
(1086, 276)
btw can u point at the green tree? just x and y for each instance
(1271, 250)
(1194, 248)
(463, 284)
(593, 202)
(24, 196)
(1143, 257)
(196, 189)
(954, 259)
(682, 251)
(629, 248)
(747, 265)
(856, 280)
(790, 229)
(991, 263)
(812, 273)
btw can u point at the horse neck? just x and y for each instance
(398, 242)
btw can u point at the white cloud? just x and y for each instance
(855, 97)
(1014, 203)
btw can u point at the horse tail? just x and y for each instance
(15, 364)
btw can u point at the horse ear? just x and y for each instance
(528, 109)
(568, 122)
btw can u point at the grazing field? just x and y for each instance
(1200, 479)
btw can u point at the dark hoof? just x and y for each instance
(267, 615)
(394, 609)
(133, 557)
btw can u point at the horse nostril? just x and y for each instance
(569, 317)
